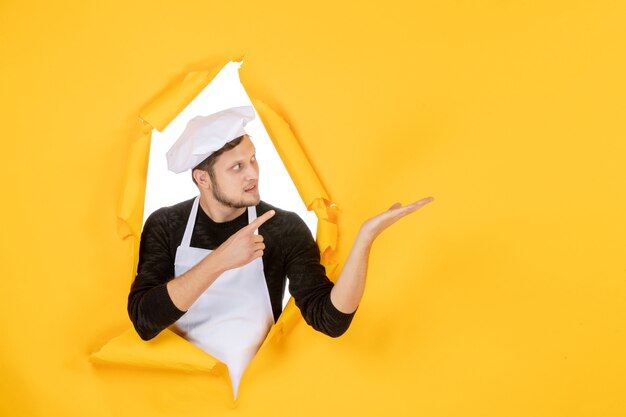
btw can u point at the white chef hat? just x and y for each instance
(207, 134)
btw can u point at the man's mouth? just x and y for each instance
(250, 189)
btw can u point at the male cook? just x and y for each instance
(214, 267)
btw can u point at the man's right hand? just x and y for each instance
(244, 246)
(238, 250)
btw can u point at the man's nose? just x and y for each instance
(251, 173)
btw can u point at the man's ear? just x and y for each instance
(202, 178)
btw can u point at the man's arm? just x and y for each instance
(308, 283)
(327, 307)
(238, 250)
(348, 291)
(157, 299)
(149, 306)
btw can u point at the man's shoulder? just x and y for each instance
(281, 214)
(184, 207)
(285, 220)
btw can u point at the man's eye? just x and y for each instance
(237, 167)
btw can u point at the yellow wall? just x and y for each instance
(503, 297)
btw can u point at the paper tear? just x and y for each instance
(168, 350)
(306, 180)
(169, 103)
(129, 207)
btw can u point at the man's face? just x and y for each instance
(235, 179)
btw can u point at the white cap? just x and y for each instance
(207, 134)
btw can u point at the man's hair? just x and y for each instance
(208, 163)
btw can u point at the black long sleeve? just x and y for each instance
(308, 283)
(290, 252)
(149, 305)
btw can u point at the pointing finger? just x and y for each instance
(256, 223)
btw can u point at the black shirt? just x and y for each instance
(290, 251)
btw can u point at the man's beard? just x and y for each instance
(219, 196)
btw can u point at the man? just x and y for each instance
(204, 270)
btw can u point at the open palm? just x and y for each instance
(374, 226)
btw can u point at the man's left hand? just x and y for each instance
(375, 226)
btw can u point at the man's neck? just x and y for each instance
(218, 212)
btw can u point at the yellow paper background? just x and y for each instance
(505, 296)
